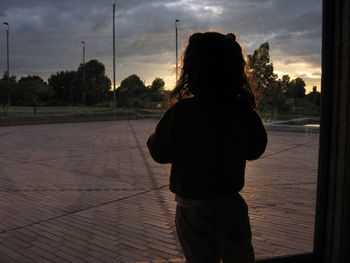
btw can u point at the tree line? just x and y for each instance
(279, 94)
(89, 85)
(86, 86)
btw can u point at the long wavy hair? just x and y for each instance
(213, 67)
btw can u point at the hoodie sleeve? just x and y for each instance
(255, 137)
(161, 143)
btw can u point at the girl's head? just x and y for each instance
(213, 67)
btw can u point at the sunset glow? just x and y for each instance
(311, 75)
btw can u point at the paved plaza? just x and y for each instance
(90, 192)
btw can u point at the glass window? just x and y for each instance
(77, 181)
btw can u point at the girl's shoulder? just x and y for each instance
(184, 104)
(195, 106)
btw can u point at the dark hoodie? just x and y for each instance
(207, 147)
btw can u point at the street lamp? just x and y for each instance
(83, 94)
(83, 42)
(7, 45)
(176, 21)
(114, 90)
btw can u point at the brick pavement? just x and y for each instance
(89, 192)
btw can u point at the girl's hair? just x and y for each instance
(213, 67)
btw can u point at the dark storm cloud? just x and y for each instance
(46, 34)
(293, 28)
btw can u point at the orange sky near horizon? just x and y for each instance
(311, 75)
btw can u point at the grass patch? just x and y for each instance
(25, 115)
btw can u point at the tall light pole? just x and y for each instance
(176, 21)
(114, 90)
(83, 42)
(7, 46)
(83, 94)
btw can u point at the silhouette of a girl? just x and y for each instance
(207, 136)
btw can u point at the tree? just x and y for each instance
(133, 86)
(96, 84)
(97, 92)
(274, 99)
(61, 84)
(94, 71)
(298, 86)
(7, 86)
(5, 95)
(285, 82)
(314, 97)
(131, 92)
(157, 85)
(155, 95)
(295, 89)
(273, 94)
(88, 85)
(34, 91)
(262, 73)
(77, 91)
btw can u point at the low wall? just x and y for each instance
(294, 125)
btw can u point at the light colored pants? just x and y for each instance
(215, 230)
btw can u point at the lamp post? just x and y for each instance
(83, 42)
(114, 90)
(83, 93)
(7, 47)
(176, 21)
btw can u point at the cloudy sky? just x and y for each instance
(46, 35)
